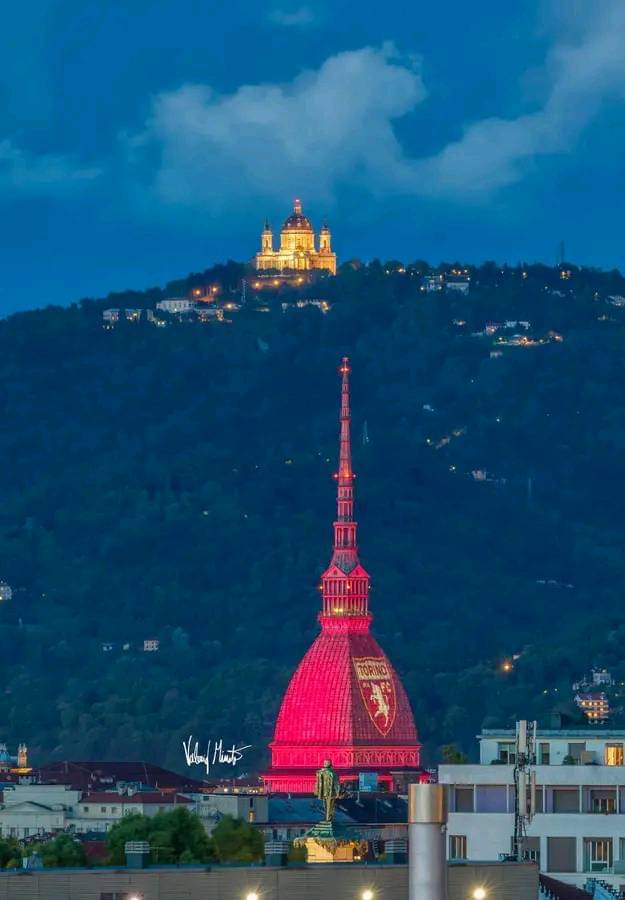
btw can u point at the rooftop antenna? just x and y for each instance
(524, 785)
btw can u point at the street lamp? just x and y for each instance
(479, 894)
(252, 896)
(367, 895)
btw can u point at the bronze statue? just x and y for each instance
(328, 788)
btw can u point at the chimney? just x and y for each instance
(427, 821)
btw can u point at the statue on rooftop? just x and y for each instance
(328, 789)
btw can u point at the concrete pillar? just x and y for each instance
(427, 863)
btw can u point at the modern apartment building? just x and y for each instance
(579, 825)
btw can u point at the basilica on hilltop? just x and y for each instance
(297, 252)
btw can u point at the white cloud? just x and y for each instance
(43, 174)
(299, 17)
(585, 68)
(327, 127)
(334, 128)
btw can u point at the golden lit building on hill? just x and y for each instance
(297, 252)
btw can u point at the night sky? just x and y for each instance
(141, 140)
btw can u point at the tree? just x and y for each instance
(237, 841)
(175, 836)
(451, 755)
(10, 853)
(62, 850)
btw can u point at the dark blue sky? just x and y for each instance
(143, 139)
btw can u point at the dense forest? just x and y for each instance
(175, 483)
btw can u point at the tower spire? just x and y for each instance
(345, 583)
(345, 475)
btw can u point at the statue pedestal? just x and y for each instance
(328, 842)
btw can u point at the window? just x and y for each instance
(602, 802)
(457, 846)
(85, 809)
(113, 809)
(544, 754)
(464, 799)
(561, 854)
(103, 809)
(597, 854)
(491, 798)
(506, 752)
(539, 799)
(613, 755)
(565, 800)
(532, 849)
(576, 750)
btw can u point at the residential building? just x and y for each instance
(31, 809)
(100, 810)
(38, 809)
(579, 826)
(151, 645)
(98, 775)
(213, 806)
(457, 284)
(176, 305)
(433, 284)
(595, 706)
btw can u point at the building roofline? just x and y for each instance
(555, 732)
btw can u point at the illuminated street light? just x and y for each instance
(367, 895)
(479, 894)
(252, 896)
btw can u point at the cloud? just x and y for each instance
(300, 17)
(585, 69)
(326, 128)
(40, 174)
(334, 128)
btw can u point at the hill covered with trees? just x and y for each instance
(175, 483)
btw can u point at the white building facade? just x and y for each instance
(579, 826)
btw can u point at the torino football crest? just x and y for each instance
(377, 689)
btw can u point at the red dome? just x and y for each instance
(328, 703)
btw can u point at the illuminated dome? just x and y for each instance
(328, 702)
(345, 701)
(297, 221)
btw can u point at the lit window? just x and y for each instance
(614, 755)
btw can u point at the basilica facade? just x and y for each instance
(298, 251)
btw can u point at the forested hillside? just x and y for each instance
(175, 483)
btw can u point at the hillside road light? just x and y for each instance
(251, 896)
(367, 895)
(479, 894)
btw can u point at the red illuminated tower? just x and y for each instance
(345, 701)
